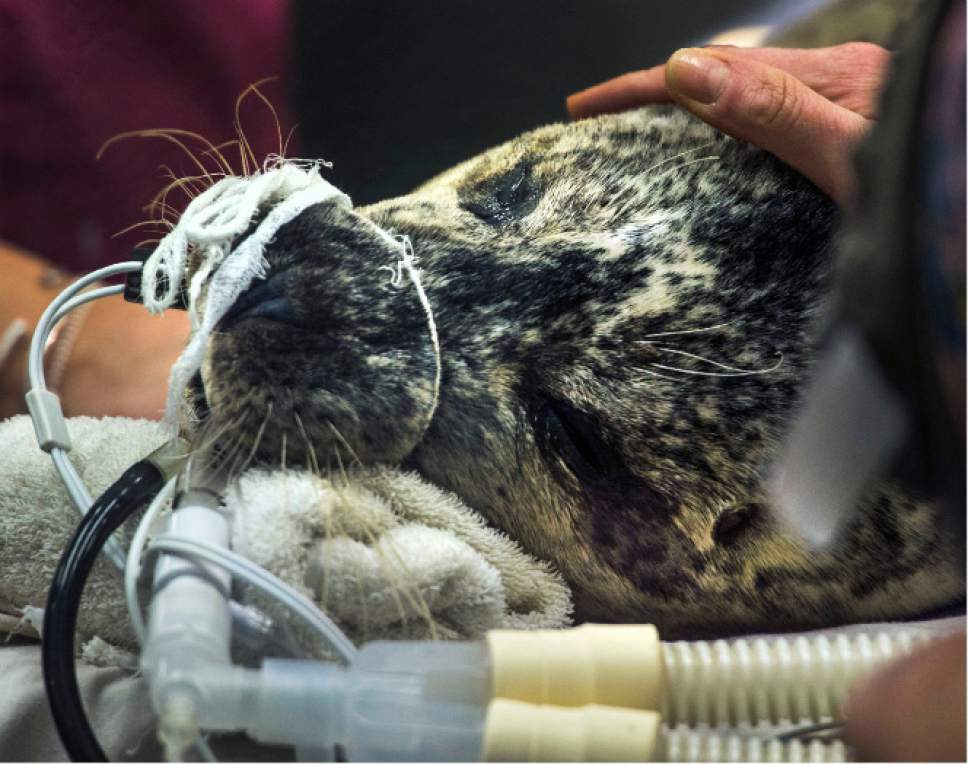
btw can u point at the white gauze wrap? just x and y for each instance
(209, 223)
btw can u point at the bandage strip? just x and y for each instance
(209, 224)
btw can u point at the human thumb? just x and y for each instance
(770, 108)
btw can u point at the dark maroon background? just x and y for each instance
(74, 73)
(390, 91)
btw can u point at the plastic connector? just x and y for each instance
(170, 457)
(517, 731)
(48, 418)
(132, 283)
(609, 665)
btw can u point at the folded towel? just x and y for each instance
(383, 552)
(390, 556)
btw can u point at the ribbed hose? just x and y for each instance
(776, 680)
(688, 745)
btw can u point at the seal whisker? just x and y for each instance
(285, 145)
(216, 153)
(168, 134)
(226, 462)
(155, 222)
(621, 211)
(747, 373)
(189, 184)
(186, 183)
(400, 589)
(653, 374)
(710, 158)
(254, 89)
(633, 184)
(330, 522)
(221, 457)
(685, 331)
(163, 209)
(311, 459)
(206, 438)
(146, 242)
(677, 156)
(727, 367)
(370, 537)
(330, 519)
(256, 442)
(245, 148)
(346, 445)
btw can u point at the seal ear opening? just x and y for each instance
(733, 523)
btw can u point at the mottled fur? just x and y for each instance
(579, 275)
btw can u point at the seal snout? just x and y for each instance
(330, 357)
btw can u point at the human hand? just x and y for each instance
(807, 107)
(915, 709)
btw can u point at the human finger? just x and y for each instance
(620, 93)
(769, 108)
(915, 710)
(850, 75)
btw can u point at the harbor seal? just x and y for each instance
(619, 315)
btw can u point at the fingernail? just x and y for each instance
(697, 75)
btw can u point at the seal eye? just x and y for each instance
(574, 438)
(503, 198)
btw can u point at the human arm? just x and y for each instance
(117, 366)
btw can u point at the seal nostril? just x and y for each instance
(277, 309)
(733, 523)
(264, 299)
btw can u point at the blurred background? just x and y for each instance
(390, 92)
(395, 92)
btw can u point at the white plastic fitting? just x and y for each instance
(609, 665)
(517, 731)
(186, 658)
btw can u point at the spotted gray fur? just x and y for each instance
(570, 271)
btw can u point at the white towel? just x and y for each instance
(386, 554)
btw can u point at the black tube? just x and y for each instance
(138, 484)
(132, 283)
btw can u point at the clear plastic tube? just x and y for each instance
(132, 567)
(242, 568)
(775, 680)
